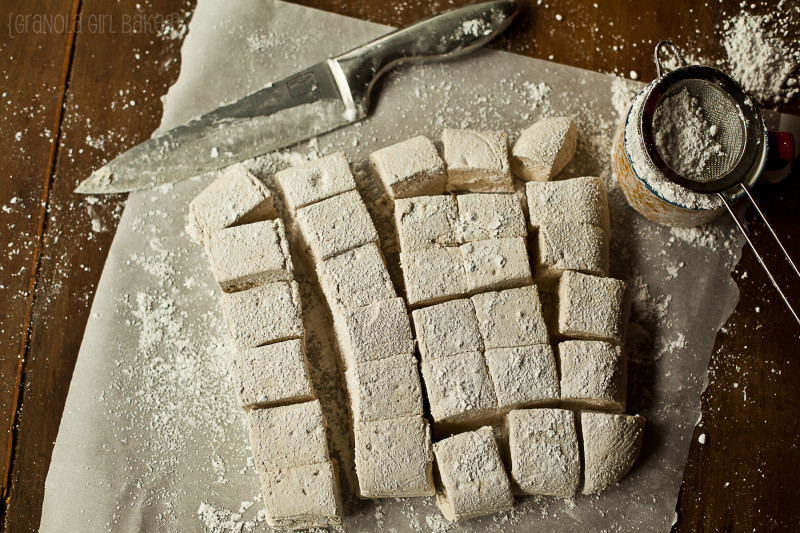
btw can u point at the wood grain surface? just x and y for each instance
(78, 98)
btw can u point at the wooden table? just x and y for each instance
(74, 99)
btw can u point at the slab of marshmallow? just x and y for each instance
(544, 149)
(611, 444)
(543, 448)
(237, 197)
(264, 314)
(474, 480)
(314, 181)
(394, 458)
(592, 308)
(251, 254)
(593, 375)
(477, 161)
(409, 168)
(579, 200)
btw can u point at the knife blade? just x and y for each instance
(324, 97)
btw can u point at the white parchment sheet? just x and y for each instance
(152, 439)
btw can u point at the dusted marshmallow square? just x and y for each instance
(249, 255)
(394, 458)
(446, 329)
(496, 264)
(578, 200)
(474, 480)
(355, 278)
(489, 216)
(594, 308)
(433, 275)
(524, 376)
(477, 161)
(543, 448)
(409, 168)
(374, 331)
(314, 181)
(459, 389)
(336, 225)
(263, 314)
(287, 436)
(593, 375)
(426, 222)
(384, 389)
(611, 444)
(567, 246)
(275, 373)
(510, 318)
(237, 197)
(303, 497)
(544, 149)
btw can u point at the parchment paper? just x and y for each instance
(151, 438)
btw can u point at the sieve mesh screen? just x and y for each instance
(720, 110)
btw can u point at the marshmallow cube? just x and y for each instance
(287, 436)
(611, 444)
(313, 181)
(578, 200)
(426, 222)
(394, 458)
(275, 373)
(544, 149)
(355, 278)
(374, 331)
(263, 314)
(385, 389)
(433, 275)
(592, 308)
(477, 161)
(474, 480)
(237, 197)
(449, 328)
(303, 497)
(564, 246)
(523, 376)
(249, 255)
(489, 216)
(459, 389)
(510, 318)
(409, 168)
(593, 375)
(543, 448)
(336, 225)
(496, 264)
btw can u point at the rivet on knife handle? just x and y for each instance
(454, 32)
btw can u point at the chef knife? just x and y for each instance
(322, 98)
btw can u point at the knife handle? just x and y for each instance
(454, 32)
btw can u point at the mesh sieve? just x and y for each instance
(724, 104)
(720, 111)
(740, 131)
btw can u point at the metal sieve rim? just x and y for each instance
(754, 136)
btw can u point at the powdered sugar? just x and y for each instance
(684, 138)
(760, 57)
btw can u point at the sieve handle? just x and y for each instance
(672, 47)
(755, 251)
